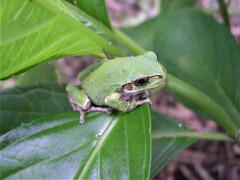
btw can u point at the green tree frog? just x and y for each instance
(121, 84)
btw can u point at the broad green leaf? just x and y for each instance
(95, 8)
(58, 147)
(24, 102)
(197, 50)
(167, 141)
(42, 30)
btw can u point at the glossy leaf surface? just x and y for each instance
(167, 141)
(56, 146)
(42, 30)
(197, 50)
(24, 102)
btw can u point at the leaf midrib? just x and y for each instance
(220, 89)
(97, 148)
(127, 143)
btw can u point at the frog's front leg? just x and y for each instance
(140, 102)
(80, 102)
(114, 100)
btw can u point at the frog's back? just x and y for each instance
(112, 74)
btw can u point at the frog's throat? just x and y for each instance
(126, 96)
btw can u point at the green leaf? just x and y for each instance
(200, 52)
(24, 102)
(167, 6)
(42, 30)
(167, 141)
(95, 8)
(58, 147)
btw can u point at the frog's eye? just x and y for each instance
(141, 81)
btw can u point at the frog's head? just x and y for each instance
(152, 75)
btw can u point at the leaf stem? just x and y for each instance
(207, 103)
(223, 9)
(127, 42)
(206, 136)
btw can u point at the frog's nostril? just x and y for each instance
(127, 87)
(160, 76)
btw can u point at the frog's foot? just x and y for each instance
(106, 110)
(82, 117)
(140, 102)
(92, 108)
(81, 111)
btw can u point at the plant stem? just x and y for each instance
(207, 136)
(127, 42)
(223, 9)
(208, 104)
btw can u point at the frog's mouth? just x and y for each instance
(136, 96)
(141, 96)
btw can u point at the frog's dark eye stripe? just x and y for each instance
(160, 76)
(141, 81)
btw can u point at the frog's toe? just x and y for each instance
(109, 110)
(82, 117)
(106, 110)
